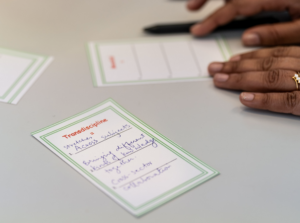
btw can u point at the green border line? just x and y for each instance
(18, 79)
(137, 81)
(221, 48)
(227, 46)
(92, 69)
(94, 179)
(67, 119)
(22, 55)
(34, 59)
(100, 64)
(178, 193)
(28, 80)
(96, 45)
(44, 138)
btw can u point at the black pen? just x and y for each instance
(234, 25)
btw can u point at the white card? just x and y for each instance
(18, 71)
(160, 60)
(128, 160)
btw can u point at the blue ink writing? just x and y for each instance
(120, 180)
(146, 179)
(143, 167)
(77, 142)
(117, 132)
(103, 158)
(134, 145)
(86, 145)
(117, 168)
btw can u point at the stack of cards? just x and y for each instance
(18, 71)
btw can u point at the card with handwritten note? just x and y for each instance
(18, 71)
(148, 60)
(127, 159)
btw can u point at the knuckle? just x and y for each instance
(281, 51)
(266, 100)
(291, 100)
(236, 81)
(274, 36)
(231, 67)
(267, 63)
(272, 79)
(238, 78)
(234, 66)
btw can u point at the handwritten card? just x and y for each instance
(154, 60)
(18, 71)
(128, 160)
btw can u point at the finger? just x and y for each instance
(195, 4)
(276, 34)
(264, 64)
(262, 81)
(276, 102)
(292, 51)
(222, 16)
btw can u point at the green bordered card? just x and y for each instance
(18, 71)
(124, 157)
(159, 60)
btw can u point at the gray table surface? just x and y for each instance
(256, 152)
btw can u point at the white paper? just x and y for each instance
(154, 61)
(127, 159)
(18, 71)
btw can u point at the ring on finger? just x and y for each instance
(297, 79)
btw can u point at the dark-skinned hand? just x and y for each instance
(265, 76)
(264, 35)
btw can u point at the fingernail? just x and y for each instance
(235, 58)
(221, 77)
(251, 39)
(247, 96)
(215, 67)
(192, 3)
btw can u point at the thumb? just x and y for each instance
(276, 34)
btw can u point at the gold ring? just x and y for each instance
(297, 79)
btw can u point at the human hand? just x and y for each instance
(267, 35)
(266, 77)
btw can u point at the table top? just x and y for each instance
(256, 152)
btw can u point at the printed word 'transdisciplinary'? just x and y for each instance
(85, 128)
